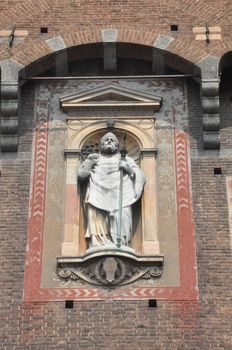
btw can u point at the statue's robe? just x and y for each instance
(102, 200)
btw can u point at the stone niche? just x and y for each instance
(130, 115)
(160, 260)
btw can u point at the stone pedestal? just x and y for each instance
(110, 267)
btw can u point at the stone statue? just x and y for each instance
(114, 184)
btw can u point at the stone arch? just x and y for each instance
(42, 49)
(131, 52)
(140, 135)
(30, 52)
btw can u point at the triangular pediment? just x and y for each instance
(111, 96)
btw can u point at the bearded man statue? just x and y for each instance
(105, 198)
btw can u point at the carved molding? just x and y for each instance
(72, 153)
(147, 152)
(211, 116)
(9, 116)
(110, 268)
(9, 104)
(111, 96)
(78, 133)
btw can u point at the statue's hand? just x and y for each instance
(87, 166)
(93, 158)
(123, 164)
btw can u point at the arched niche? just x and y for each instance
(141, 143)
(141, 132)
(127, 140)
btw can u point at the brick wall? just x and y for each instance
(112, 324)
(205, 324)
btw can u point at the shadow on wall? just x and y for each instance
(226, 100)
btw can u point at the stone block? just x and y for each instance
(56, 43)
(109, 35)
(163, 41)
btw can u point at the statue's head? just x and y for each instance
(109, 143)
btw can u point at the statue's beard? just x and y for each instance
(109, 148)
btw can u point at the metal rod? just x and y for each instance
(207, 32)
(12, 35)
(178, 76)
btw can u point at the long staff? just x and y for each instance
(123, 153)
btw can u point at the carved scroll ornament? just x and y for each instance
(114, 268)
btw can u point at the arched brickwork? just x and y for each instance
(93, 50)
(187, 47)
(135, 22)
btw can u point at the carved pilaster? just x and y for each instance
(211, 116)
(9, 116)
(149, 222)
(70, 245)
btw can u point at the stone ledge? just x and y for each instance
(110, 267)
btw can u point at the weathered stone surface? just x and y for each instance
(9, 104)
(109, 35)
(211, 140)
(10, 70)
(56, 43)
(110, 268)
(163, 41)
(9, 116)
(210, 110)
(211, 122)
(209, 67)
